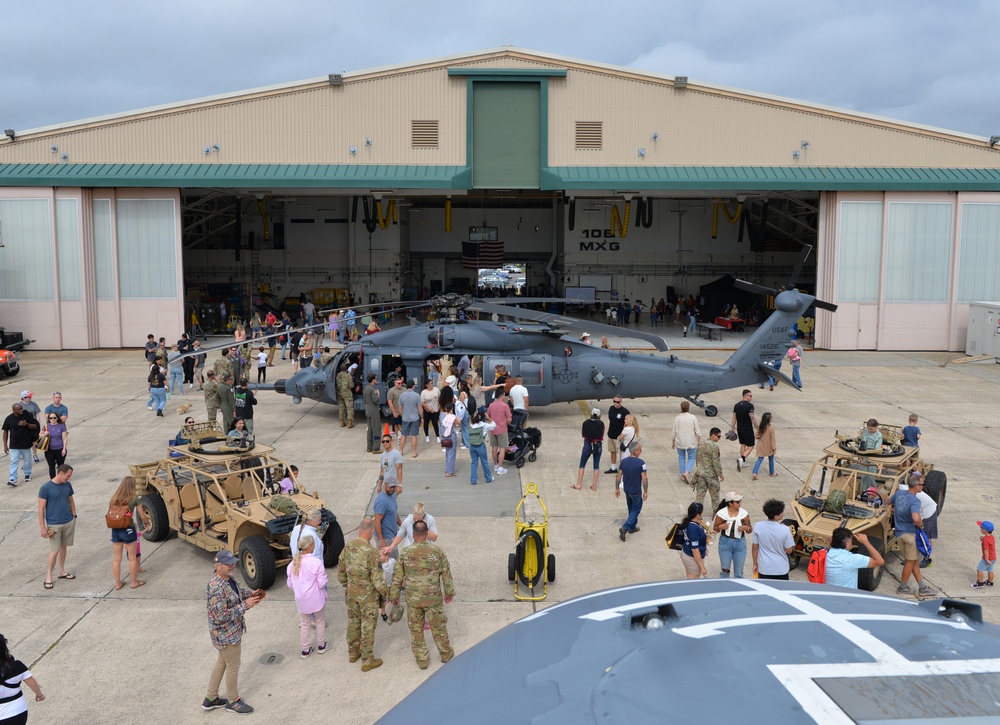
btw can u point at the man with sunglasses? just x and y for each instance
(390, 482)
(616, 424)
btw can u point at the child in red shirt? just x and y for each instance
(989, 556)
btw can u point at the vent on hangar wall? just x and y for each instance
(424, 134)
(589, 134)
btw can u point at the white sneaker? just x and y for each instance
(439, 439)
(464, 448)
(739, 463)
(427, 439)
(501, 471)
(190, 385)
(149, 407)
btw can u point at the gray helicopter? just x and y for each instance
(555, 364)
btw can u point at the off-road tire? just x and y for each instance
(156, 512)
(257, 562)
(936, 486)
(869, 579)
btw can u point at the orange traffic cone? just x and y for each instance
(385, 430)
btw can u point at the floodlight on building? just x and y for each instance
(994, 140)
(656, 136)
(54, 149)
(9, 133)
(353, 149)
(642, 152)
(796, 154)
(368, 141)
(336, 79)
(805, 144)
(680, 81)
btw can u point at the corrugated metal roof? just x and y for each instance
(640, 178)
(777, 178)
(229, 175)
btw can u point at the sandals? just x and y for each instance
(755, 477)
(119, 585)
(576, 487)
(138, 583)
(67, 576)
(49, 585)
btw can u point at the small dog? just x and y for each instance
(182, 409)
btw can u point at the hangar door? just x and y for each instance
(506, 135)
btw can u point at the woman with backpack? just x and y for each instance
(478, 431)
(695, 542)
(127, 538)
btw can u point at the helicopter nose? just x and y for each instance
(288, 387)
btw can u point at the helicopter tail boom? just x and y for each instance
(751, 362)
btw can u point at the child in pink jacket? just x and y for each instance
(307, 579)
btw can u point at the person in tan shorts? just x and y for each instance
(57, 520)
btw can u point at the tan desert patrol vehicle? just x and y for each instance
(217, 497)
(852, 488)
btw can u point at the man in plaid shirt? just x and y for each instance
(227, 603)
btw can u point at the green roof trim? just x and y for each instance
(508, 74)
(334, 176)
(776, 178)
(400, 176)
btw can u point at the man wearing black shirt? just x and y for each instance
(593, 440)
(245, 401)
(744, 423)
(616, 423)
(20, 431)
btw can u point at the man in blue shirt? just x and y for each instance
(632, 476)
(58, 408)
(842, 565)
(906, 519)
(57, 520)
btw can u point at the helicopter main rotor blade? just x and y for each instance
(570, 323)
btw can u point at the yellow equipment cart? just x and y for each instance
(530, 563)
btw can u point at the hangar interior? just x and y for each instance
(380, 184)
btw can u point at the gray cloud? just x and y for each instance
(917, 60)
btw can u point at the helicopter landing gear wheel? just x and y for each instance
(711, 411)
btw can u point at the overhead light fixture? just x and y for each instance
(994, 140)
(9, 133)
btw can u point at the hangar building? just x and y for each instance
(591, 176)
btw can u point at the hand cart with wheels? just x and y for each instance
(530, 563)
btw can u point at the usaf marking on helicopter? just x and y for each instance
(721, 650)
(555, 365)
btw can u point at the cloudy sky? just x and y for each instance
(935, 63)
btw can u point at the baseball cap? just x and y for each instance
(732, 496)
(226, 558)
(594, 412)
(986, 526)
(26, 393)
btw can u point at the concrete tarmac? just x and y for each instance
(103, 656)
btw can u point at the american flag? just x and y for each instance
(482, 255)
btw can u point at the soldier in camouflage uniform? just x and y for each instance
(223, 365)
(212, 402)
(421, 570)
(227, 401)
(708, 470)
(360, 572)
(345, 397)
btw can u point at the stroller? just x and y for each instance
(522, 443)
